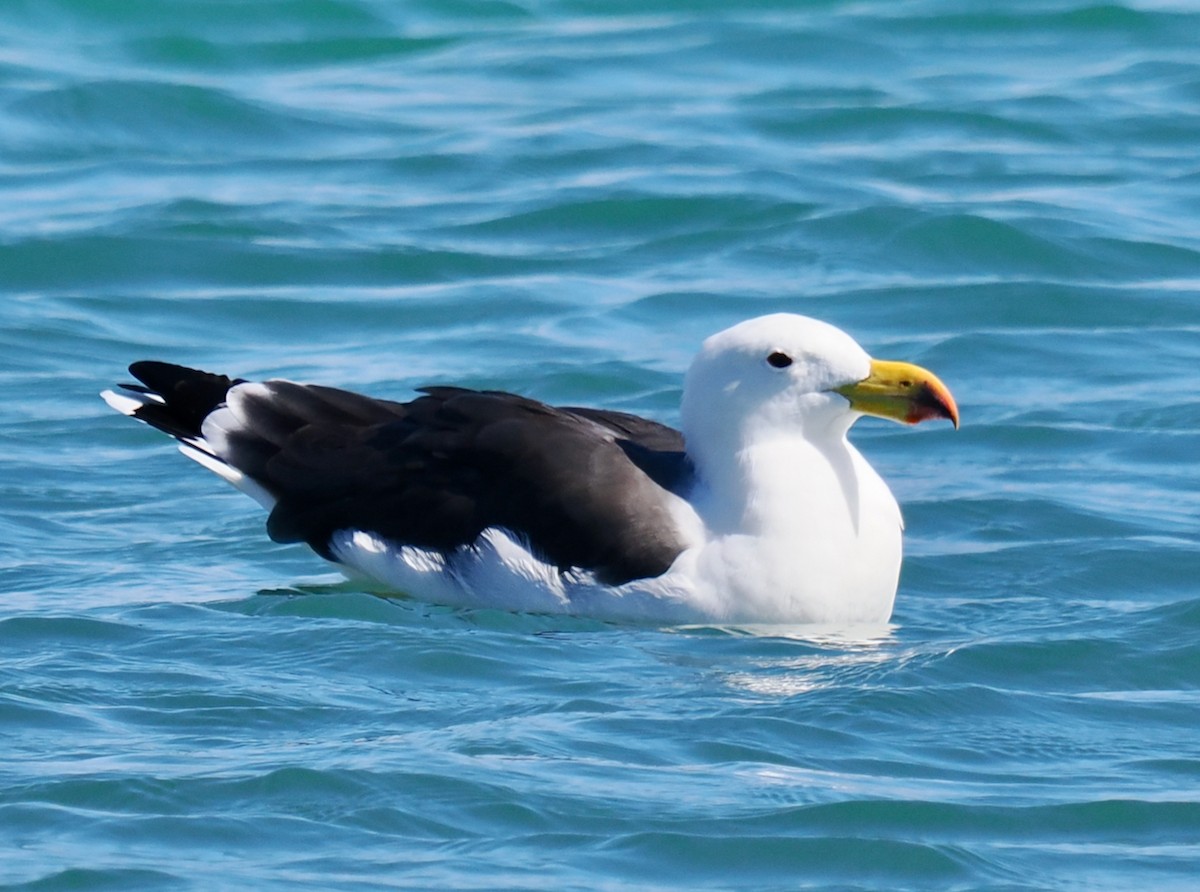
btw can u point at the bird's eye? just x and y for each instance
(779, 360)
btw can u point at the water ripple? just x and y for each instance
(563, 199)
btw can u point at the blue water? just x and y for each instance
(563, 199)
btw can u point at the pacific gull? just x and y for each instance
(758, 510)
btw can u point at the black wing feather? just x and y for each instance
(655, 448)
(189, 396)
(584, 487)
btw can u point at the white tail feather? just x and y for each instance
(198, 453)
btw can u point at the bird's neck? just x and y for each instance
(781, 484)
(755, 477)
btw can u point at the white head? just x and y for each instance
(766, 376)
(785, 375)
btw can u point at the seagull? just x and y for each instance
(759, 510)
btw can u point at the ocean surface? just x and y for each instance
(563, 199)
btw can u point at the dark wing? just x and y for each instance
(437, 471)
(655, 448)
(185, 396)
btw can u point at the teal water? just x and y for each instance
(563, 199)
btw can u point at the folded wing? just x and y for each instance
(584, 488)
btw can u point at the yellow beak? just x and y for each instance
(901, 391)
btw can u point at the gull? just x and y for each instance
(758, 510)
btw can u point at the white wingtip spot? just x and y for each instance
(126, 403)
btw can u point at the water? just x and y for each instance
(563, 199)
